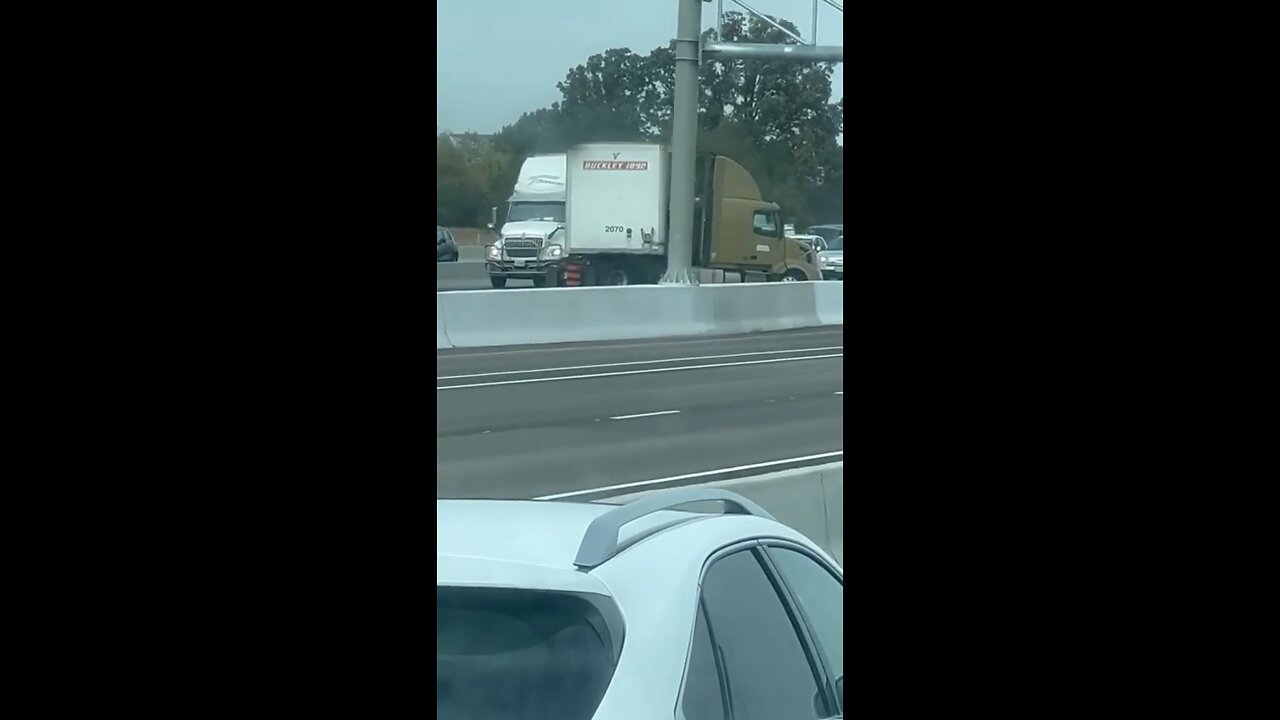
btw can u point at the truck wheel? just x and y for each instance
(617, 276)
(794, 275)
(497, 282)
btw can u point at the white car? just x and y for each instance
(574, 611)
(831, 259)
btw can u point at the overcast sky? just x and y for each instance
(496, 59)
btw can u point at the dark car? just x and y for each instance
(446, 246)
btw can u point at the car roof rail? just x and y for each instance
(600, 542)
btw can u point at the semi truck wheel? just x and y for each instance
(497, 281)
(794, 275)
(617, 276)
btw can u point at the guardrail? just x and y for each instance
(811, 500)
(480, 318)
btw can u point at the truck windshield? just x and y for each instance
(513, 654)
(550, 211)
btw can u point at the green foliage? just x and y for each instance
(773, 117)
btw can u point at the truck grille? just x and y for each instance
(521, 248)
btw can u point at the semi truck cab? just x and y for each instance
(530, 244)
(736, 229)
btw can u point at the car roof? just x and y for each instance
(539, 541)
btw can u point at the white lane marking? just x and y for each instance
(690, 476)
(527, 381)
(840, 393)
(638, 362)
(640, 415)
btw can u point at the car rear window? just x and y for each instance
(523, 654)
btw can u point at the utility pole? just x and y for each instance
(684, 140)
(684, 130)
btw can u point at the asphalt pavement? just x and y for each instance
(468, 275)
(534, 421)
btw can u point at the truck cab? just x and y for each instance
(530, 243)
(736, 229)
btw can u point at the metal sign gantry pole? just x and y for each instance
(684, 126)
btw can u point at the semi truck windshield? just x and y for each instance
(550, 211)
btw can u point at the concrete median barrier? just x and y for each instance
(811, 500)
(442, 333)
(470, 253)
(561, 315)
(762, 308)
(527, 316)
(829, 298)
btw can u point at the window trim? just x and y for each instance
(726, 699)
(759, 547)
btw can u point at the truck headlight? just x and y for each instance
(551, 252)
(493, 252)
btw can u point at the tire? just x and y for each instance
(616, 276)
(794, 276)
(498, 282)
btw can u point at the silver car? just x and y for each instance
(831, 260)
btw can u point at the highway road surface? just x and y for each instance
(588, 419)
(468, 275)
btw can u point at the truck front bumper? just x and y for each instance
(531, 269)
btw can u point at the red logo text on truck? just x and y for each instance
(615, 165)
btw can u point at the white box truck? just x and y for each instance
(617, 212)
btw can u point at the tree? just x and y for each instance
(605, 99)
(773, 117)
(470, 173)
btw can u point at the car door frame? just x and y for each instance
(760, 546)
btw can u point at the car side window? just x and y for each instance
(765, 222)
(766, 670)
(820, 595)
